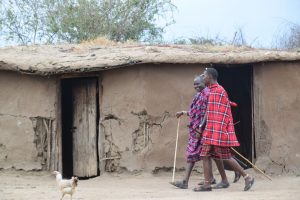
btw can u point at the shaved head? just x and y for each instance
(198, 79)
(210, 76)
(212, 72)
(199, 83)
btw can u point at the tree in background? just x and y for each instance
(52, 21)
(238, 39)
(290, 40)
(1, 5)
(23, 20)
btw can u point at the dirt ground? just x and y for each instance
(18, 185)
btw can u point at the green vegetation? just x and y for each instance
(73, 21)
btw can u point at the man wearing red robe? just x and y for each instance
(218, 131)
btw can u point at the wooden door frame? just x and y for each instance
(55, 148)
(252, 116)
(56, 163)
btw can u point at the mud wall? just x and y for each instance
(27, 112)
(137, 108)
(276, 117)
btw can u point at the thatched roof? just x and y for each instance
(59, 59)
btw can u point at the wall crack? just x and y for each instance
(141, 137)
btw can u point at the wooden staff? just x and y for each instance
(175, 154)
(236, 123)
(248, 161)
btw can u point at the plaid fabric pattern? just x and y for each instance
(219, 129)
(216, 152)
(193, 150)
(198, 108)
(196, 113)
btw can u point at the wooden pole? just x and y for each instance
(175, 154)
(248, 161)
(236, 123)
(110, 158)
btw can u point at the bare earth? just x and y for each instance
(41, 185)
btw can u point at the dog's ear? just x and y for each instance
(75, 181)
(55, 172)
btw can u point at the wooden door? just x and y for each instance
(85, 127)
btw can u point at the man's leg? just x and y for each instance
(190, 166)
(184, 183)
(236, 167)
(212, 179)
(237, 176)
(207, 167)
(224, 183)
(221, 169)
(206, 158)
(211, 175)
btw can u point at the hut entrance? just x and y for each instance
(237, 81)
(79, 127)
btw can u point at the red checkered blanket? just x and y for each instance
(219, 130)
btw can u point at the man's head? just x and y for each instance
(210, 76)
(199, 83)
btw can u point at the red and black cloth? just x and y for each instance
(219, 129)
(215, 152)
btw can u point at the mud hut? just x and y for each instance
(87, 109)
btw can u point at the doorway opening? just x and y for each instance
(80, 116)
(237, 80)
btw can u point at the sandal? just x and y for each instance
(212, 182)
(221, 185)
(249, 181)
(202, 189)
(180, 184)
(237, 177)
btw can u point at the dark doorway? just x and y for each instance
(80, 114)
(237, 81)
(67, 124)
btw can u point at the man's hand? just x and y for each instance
(199, 133)
(178, 114)
(200, 130)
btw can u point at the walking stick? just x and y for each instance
(175, 154)
(248, 161)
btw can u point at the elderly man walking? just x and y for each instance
(196, 113)
(218, 131)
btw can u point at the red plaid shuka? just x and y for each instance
(219, 129)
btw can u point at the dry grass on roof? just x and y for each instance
(102, 54)
(104, 41)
